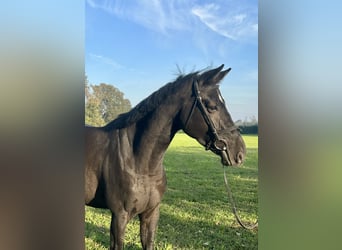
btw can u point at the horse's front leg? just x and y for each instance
(148, 227)
(117, 231)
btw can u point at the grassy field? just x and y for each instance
(195, 212)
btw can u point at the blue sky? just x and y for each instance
(137, 45)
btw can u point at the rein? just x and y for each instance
(230, 195)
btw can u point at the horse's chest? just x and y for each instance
(144, 193)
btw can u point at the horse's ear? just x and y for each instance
(221, 75)
(213, 76)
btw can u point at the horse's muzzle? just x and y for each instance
(220, 147)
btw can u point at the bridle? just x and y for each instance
(216, 144)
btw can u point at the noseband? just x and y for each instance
(216, 144)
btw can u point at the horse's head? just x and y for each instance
(206, 118)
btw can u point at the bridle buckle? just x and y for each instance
(220, 145)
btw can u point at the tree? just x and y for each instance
(103, 103)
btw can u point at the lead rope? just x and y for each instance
(229, 192)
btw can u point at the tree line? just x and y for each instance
(248, 126)
(103, 103)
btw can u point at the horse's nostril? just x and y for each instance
(239, 157)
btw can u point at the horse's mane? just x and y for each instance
(149, 104)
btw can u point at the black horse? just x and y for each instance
(124, 159)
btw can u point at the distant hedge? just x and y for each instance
(247, 130)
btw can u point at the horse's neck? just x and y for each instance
(154, 134)
(160, 127)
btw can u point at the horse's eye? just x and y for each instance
(211, 107)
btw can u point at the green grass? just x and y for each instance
(195, 212)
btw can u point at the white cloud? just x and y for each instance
(239, 18)
(156, 15)
(234, 23)
(106, 60)
(234, 20)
